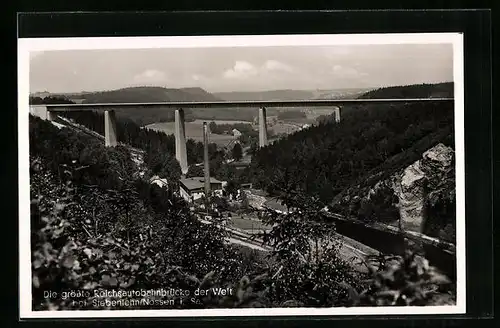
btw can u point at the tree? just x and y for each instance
(232, 188)
(165, 166)
(212, 126)
(195, 171)
(306, 249)
(237, 152)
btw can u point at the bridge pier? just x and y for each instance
(336, 114)
(180, 140)
(206, 162)
(50, 115)
(42, 111)
(110, 138)
(262, 127)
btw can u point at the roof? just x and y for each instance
(275, 204)
(197, 182)
(159, 181)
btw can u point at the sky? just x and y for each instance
(242, 68)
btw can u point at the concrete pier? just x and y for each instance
(110, 136)
(50, 115)
(206, 160)
(336, 114)
(42, 112)
(180, 140)
(262, 127)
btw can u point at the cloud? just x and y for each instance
(274, 65)
(241, 69)
(150, 76)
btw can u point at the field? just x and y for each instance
(194, 130)
(250, 225)
(285, 128)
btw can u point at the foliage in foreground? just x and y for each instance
(70, 256)
(406, 280)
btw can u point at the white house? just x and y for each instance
(192, 189)
(162, 182)
(236, 133)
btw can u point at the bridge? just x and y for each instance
(48, 111)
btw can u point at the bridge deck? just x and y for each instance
(238, 104)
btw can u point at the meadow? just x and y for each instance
(194, 130)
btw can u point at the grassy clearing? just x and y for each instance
(194, 130)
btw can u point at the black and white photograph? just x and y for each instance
(242, 175)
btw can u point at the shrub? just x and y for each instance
(406, 280)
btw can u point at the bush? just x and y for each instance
(306, 250)
(76, 249)
(406, 280)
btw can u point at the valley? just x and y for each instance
(343, 175)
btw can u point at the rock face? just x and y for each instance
(422, 182)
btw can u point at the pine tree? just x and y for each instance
(237, 152)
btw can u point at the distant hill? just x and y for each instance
(340, 93)
(265, 95)
(292, 94)
(144, 116)
(157, 94)
(148, 94)
(438, 90)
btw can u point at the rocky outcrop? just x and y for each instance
(422, 182)
(409, 192)
(409, 188)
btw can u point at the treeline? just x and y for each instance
(146, 139)
(291, 114)
(245, 128)
(438, 90)
(49, 100)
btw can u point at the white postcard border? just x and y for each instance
(26, 46)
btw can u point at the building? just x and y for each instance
(276, 206)
(159, 181)
(236, 133)
(192, 189)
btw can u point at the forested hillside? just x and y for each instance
(371, 143)
(438, 90)
(325, 159)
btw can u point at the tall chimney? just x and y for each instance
(205, 158)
